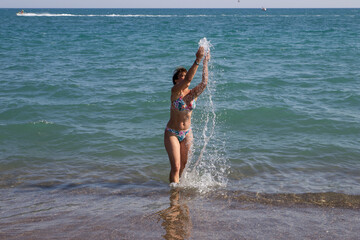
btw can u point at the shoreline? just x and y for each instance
(172, 214)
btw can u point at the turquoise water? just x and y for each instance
(84, 99)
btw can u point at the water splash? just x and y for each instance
(205, 44)
(207, 166)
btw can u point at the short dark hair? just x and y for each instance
(177, 71)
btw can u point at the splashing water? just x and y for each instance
(205, 44)
(206, 166)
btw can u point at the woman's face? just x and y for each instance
(181, 76)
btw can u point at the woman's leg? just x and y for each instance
(185, 147)
(172, 147)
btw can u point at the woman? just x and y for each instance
(178, 134)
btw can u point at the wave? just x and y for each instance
(171, 15)
(106, 15)
(308, 199)
(321, 199)
(45, 15)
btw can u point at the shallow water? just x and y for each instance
(178, 214)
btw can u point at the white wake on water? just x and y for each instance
(46, 15)
(207, 167)
(105, 15)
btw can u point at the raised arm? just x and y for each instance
(196, 91)
(191, 73)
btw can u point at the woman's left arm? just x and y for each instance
(196, 91)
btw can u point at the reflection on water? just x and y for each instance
(176, 218)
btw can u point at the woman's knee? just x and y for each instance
(175, 168)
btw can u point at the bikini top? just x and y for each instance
(180, 105)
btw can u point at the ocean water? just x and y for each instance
(85, 98)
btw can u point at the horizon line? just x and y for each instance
(178, 8)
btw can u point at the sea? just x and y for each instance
(85, 99)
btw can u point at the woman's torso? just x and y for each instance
(182, 105)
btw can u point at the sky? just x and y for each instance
(179, 3)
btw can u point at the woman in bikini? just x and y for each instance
(178, 134)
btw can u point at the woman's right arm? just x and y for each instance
(191, 73)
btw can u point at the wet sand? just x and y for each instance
(176, 214)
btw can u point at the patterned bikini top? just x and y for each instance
(180, 105)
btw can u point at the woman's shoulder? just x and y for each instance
(175, 95)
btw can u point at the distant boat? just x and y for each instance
(20, 13)
(264, 9)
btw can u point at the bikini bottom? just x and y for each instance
(179, 134)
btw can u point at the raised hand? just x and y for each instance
(200, 54)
